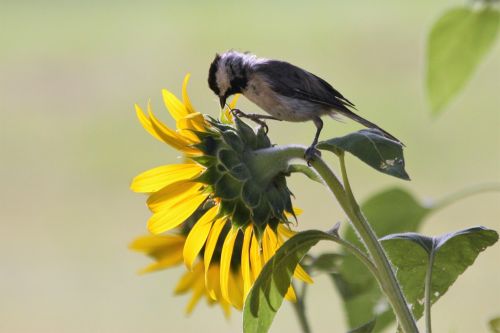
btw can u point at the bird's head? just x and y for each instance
(228, 74)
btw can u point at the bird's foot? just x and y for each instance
(238, 113)
(259, 121)
(311, 153)
(256, 118)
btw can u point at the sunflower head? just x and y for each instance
(244, 188)
(228, 201)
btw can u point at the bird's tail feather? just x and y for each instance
(367, 123)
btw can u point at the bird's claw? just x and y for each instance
(253, 117)
(265, 127)
(310, 154)
(238, 113)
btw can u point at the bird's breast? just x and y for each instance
(284, 108)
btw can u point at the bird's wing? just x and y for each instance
(292, 81)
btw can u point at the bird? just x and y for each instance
(286, 92)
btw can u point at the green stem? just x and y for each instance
(268, 162)
(300, 309)
(383, 273)
(387, 279)
(428, 291)
(361, 256)
(465, 193)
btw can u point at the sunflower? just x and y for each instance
(228, 202)
(167, 251)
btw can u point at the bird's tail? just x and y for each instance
(367, 123)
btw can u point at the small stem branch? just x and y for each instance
(347, 185)
(300, 309)
(465, 193)
(428, 293)
(360, 255)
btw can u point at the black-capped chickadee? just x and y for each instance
(283, 90)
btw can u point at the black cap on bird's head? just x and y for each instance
(227, 75)
(212, 80)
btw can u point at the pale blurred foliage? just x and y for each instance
(70, 73)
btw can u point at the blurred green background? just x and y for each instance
(70, 73)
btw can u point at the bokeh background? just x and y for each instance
(70, 72)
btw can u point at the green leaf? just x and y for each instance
(390, 211)
(373, 148)
(457, 43)
(310, 173)
(453, 253)
(326, 263)
(268, 291)
(366, 328)
(495, 325)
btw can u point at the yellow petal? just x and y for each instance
(245, 261)
(272, 238)
(168, 260)
(212, 240)
(185, 96)
(151, 244)
(227, 115)
(174, 106)
(226, 307)
(285, 231)
(193, 122)
(296, 211)
(198, 291)
(197, 236)
(146, 123)
(290, 294)
(189, 134)
(269, 244)
(225, 263)
(255, 257)
(155, 179)
(166, 249)
(187, 126)
(172, 194)
(301, 274)
(198, 288)
(167, 219)
(235, 289)
(212, 281)
(210, 300)
(185, 283)
(213, 287)
(232, 105)
(171, 137)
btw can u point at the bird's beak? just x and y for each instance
(222, 100)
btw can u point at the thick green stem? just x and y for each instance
(268, 162)
(385, 276)
(388, 279)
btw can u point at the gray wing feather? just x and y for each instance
(292, 81)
